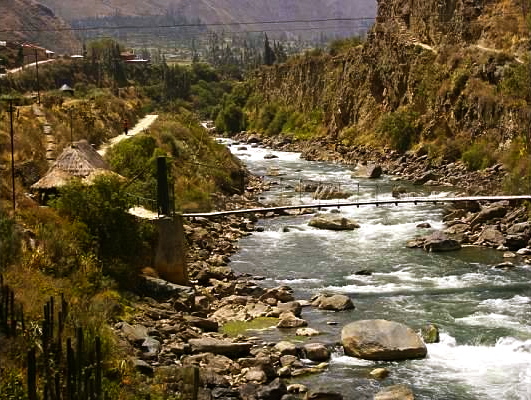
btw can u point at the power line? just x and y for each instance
(188, 25)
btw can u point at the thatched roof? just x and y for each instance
(79, 160)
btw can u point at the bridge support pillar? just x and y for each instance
(170, 256)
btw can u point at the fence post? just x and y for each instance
(32, 375)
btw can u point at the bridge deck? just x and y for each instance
(374, 202)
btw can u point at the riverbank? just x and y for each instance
(180, 331)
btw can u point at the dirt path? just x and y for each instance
(141, 126)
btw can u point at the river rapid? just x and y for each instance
(484, 313)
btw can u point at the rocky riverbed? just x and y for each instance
(176, 340)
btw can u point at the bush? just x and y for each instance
(400, 129)
(230, 119)
(479, 155)
(102, 207)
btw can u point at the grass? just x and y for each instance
(235, 328)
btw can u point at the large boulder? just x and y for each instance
(435, 242)
(336, 302)
(218, 346)
(491, 236)
(333, 222)
(371, 171)
(382, 340)
(492, 212)
(316, 352)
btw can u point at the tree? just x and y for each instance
(102, 207)
(269, 54)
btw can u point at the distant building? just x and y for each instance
(34, 53)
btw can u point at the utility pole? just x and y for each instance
(37, 72)
(11, 110)
(71, 117)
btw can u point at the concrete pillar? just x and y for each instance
(170, 256)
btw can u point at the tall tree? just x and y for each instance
(269, 54)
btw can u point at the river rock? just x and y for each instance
(289, 320)
(382, 340)
(143, 367)
(489, 213)
(283, 294)
(272, 391)
(336, 302)
(290, 306)
(135, 334)
(162, 290)
(218, 346)
(371, 171)
(286, 348)
(316, 352)
(395, 392)
(435, 242)
(430, 333)
(329, 192)
(322, 395)
(491, 236)
(307, 332)
(333, 222)
(379, 373)
(204, 324)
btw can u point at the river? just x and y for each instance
(484, 313)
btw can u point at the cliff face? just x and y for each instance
(453, 64)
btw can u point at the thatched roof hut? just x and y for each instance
(78, 160)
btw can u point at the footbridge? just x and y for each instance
(358, 203)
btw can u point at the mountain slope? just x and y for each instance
(230, 11)
(25, 20)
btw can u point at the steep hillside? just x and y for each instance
(456, 74)
(231, 11)
(25, 20)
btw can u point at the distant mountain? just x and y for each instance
(28, 21)
(234, 12)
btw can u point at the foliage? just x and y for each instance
(479, 155)
(400, 129)
(10, 241)
(518, 162)
(102, 207)
(343, 45)
(230, 119)
(12, 385)
(135, 159)
(516, 82)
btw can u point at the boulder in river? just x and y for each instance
(371, 171)
(333, 222)
(435, 242)
(395, 392)
(335, 302)
(382, 340)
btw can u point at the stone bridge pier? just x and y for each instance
(170, 255)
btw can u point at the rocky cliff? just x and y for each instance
(457, 68)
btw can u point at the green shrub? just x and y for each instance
(400, 129)
(479, 155)
(230, 119)
(102, 207)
